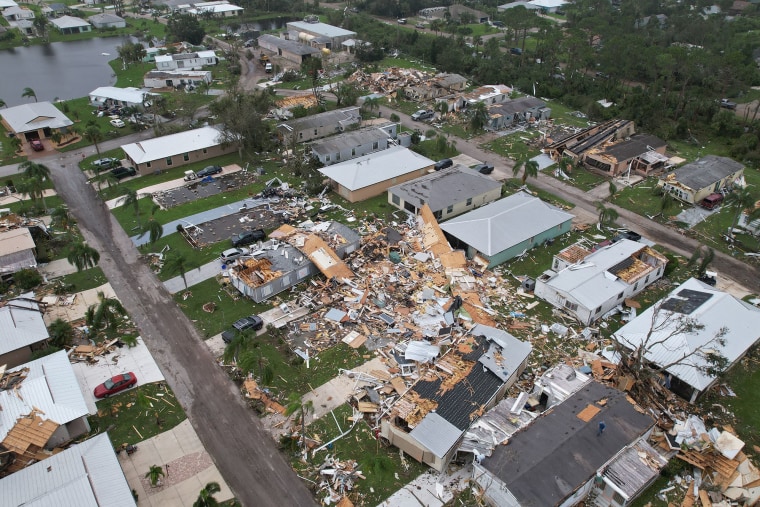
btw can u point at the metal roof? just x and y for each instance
(630, 472)
(130, 95)
(33, 116)
(704, 171)
(327, 118)
(376, 167)
(174, 144)
(290, 46)
(350, 140)
(505, 353)
(21, 324)
(69, 22)
(505, 223)
(105, 17)
(716, 310)
(50, 388)
(436, 433)
(320, 29)
(85, 475)
(16, 240)
(444, 188)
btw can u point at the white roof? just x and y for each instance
(106, 17)
(548, 4)
(376, 167)
(50, 387)
(589, 283)
(436, 433)
(21, 324)
(505, 223)
(85, 475)
(33, 116)
(7, 3)
(711, 308)
(320, 28)
(174, 144)
(216, 9)
(69, 22)
(15, 240)
(131, 94)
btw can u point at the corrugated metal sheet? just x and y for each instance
(21, 325)
(437, 434)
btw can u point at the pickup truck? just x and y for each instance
(727, 104)
(423, 114)
(123, 172)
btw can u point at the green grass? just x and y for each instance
(513, 146)
(480, 29)
(561, 114)
(642, 199)
(513, 184)
(359, 445)
(7, 153)
(137, 410)
(83, 280)
(403, 63)
(195, 257)
(29, 208)
(585, 179)
(132, 75)
(691, 151)
(430, 150)
(81, 113)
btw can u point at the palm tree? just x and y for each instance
(56, 136)
(479, 117)
(154, 230)
(206, 496)
(296, 407)
(371, 104)
(93, 134)
(607, 215)
(154, 474)
(28, 92)
(177, 263)
(108, 178)
(131, 198)
(83, 256)
(61, 217)
(106, 314)
(529, 168)
(667, 203)
(441, 108)
(740, 199)
(35, 170)
(34, 188)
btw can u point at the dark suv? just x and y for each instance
(247, 237)
(208, 171)
(443, 164)
(123, 172)
(253, 322)
(484, 168)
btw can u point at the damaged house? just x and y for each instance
(357, 143)
(693, 182)
(588, 284)
(431, 417)
(17, 250)
(22, 330)
(642, 153)
(576, 145)
(662, 331)
(514, 112)
(319, 125)
(291, 256)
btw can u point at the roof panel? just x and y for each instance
(174, 144)
(376, 167)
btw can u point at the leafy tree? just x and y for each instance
(28, 92)
(177, 263)
(82, 256)
(479, 117)
(27, 279)
(154, 475)
(56, 137)
(16, 144)
(61, 333)
(41, 25)
(347, 94)
(206, 496)
(242, 115)
(131, 52)
(185, 27)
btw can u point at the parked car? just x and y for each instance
(443, 164)
(516, 51)
(105, 163)
(208, 171)
(118, 123)
(253, 322)
(712, 201)
(123, 172)
(36, 145)
(484, 168)
(727, 104)
(497, 24)
(423, 114)
(633, 236)
(115, 384)
(232, 254)
(402, 21)
(247, 237)
(419, 25)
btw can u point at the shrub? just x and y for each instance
(27, 279)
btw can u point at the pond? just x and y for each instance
(66, 70)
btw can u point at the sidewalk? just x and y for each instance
(56, 268)
(194, 276)
(187, 465)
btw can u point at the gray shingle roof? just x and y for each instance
(349, 140)
(706, 171)
(290, 46)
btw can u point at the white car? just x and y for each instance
(232, 254)
(117, 123)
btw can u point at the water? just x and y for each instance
(66, 70)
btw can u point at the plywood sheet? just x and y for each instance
(588, 413)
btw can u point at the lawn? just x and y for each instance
(432, 150)
(132, 75)
(381, 466)
(513, 184)
(137, 414)
(513, 146)
(585, 179)
(7, 153)
(83, 280)
(642, 199)
(81, 113)
(195, 258)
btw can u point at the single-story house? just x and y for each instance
(458, 10)
(217, 9)
(371, 175)
(175, 78)
(695, 181)
(449, 192)
(293, 255)
(16, 13)
(71, 24)
(660, 331)
(575, 145)
(175, 150)
(114, 96)
(488, 364)
(519, 3)
(450, 82)
(55, 9)
(45, 396)
(319, 35)
(548, 6)
(36, 120)
(513, 112)
(7, 3)
(22, 330)
(182, 61)
(88, 473)
(507, 228)
(319, 125)
(107, 20)
(587, 284)
(488, 95)
(356, 143)
(615, 159)
(17, 250)
(558, 458)
(291, 50)
(25, 26)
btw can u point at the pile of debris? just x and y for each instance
(337, 479)
(91, 353)
(389, 81)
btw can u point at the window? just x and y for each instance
(450, 209)
(646, 280)
(571, 306)
(620, 296)
(327, 158)
(315, 131)
(186, 157)
(147, 164)
(395, 199)
(556, 264)
(300, 135)
(469, 201)
(337, 157)
(205, 151)
(168, 161)
(353, 152)
(598, 310)
(375, 145)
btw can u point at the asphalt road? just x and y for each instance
(242, 450)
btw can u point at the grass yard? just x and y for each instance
(513, 184)
(7, 152)
(132, 75)
(585, 179)
(137, 414)
(195, 258)
(380, 465)
(83, 280)
(432, 150)
(513, 146)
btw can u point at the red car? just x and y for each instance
(115, 384)
(36, 145)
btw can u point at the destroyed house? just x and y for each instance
(588, 284)
(507, 228)
(292, 256)
(554, 461)
(683, 353)
(695, 181)
(43, 407)
(449, 192)
(616, 158)
(514, 112)
(17, 250)
(319, 125)
(450, 82)
(429, 420)
(357, 143)
(22, 330)
(576, 145)
(488, 95)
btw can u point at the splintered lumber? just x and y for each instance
(704, 498)
(688, 500)
(367, 407)
(716, 462)
(381, 375)
(398, 385)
